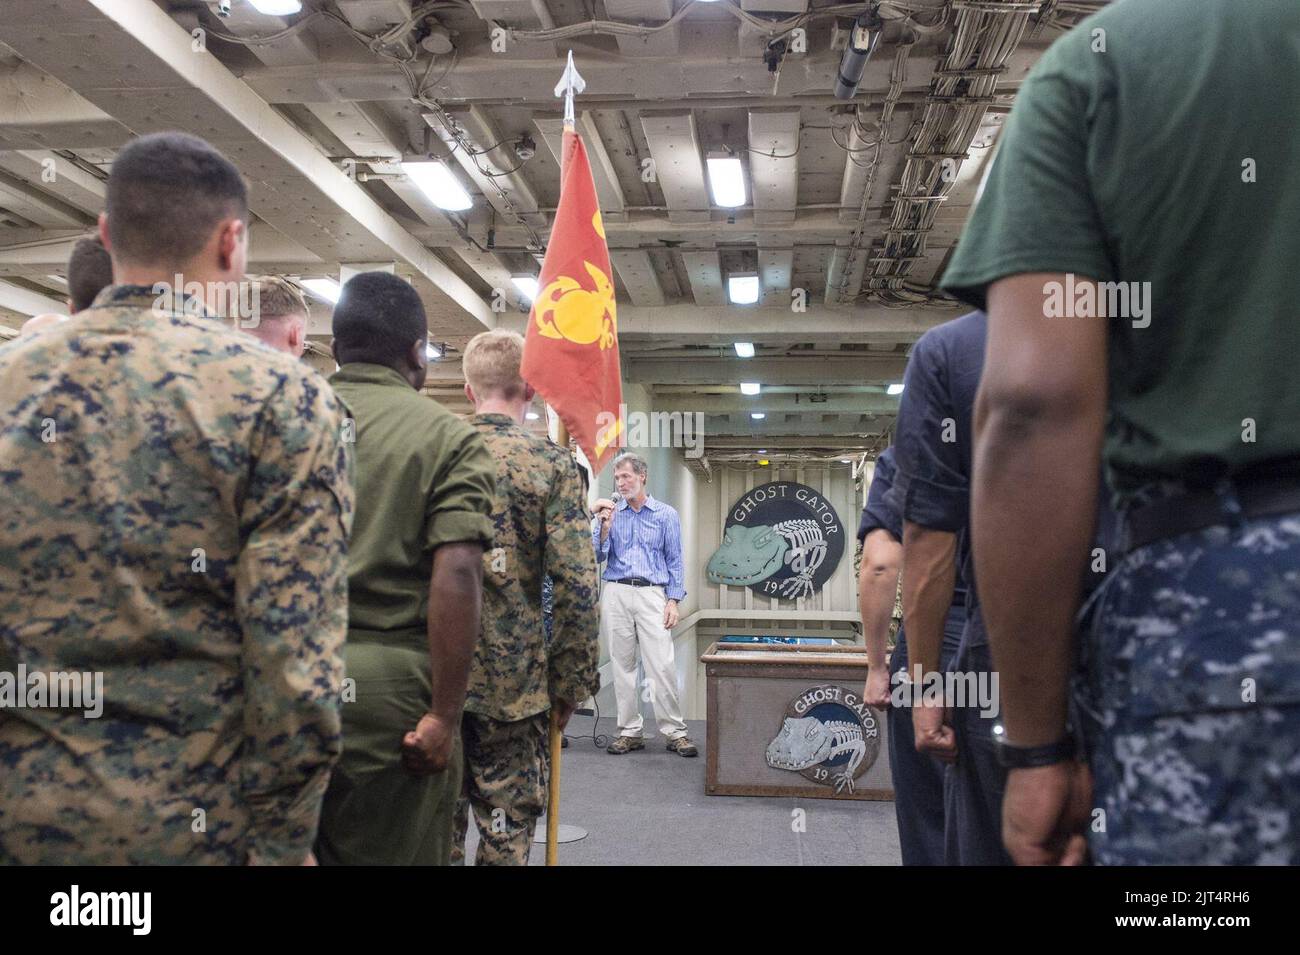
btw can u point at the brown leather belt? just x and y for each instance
(1233, 502)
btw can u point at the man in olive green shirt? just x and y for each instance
(425, 486)
(1136, 247)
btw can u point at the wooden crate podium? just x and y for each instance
(755, 690)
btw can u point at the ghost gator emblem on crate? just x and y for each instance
(828, 736)
(782, 540)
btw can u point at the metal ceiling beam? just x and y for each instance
(697, 73)
(70, 183)
(775, 268)
(800, 426)
(26, 302)
(636, 276)
(862, 442)
(38, 207)
(728, 323)
(665, 42)
(774, 165)
(37, 111)
(679, 167)
(784, 371)
(877, 403)
(704, 270)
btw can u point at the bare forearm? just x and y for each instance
(1034, 504)
(876, 600)
(455, 598)
(929, 576)
(877, 588)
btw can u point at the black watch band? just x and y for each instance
(1029, 757)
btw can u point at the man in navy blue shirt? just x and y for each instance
(918, 777)
(640, 541)
(934, 439)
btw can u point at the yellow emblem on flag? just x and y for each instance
(566, 310)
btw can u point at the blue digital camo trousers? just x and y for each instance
(1190, 694)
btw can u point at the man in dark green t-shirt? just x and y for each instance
(425, 487)
(1148, 174)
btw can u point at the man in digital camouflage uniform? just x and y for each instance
(1136, 248)
(177, 503)
(541, 529)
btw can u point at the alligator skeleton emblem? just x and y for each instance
(807, 741)
(750, 555)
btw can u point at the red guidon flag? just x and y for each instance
(571, 349)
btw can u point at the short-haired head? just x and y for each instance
(634, 461)
(491, 365)
(379, 319)
(90, 271)
(280, 313)
(169, 196)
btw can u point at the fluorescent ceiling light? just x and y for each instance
(750, 387)
(744, 349)
(433, 351)
(437, 182)
(742, 288)
(327, 289)
(727, 181)
(527, 285)
(757, 415)
(846, 461)
(276, 8)
(895, 389)
(762, 450)
(532, 416)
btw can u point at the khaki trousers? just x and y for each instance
(632, 619)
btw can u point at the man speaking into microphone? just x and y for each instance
(639, 540)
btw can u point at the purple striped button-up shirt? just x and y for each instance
(645, 543)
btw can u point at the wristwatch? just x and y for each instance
(1029, 757)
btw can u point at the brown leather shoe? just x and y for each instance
(625, 744)
(682, 746)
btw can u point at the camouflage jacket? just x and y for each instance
(177, 498)
(540, 519)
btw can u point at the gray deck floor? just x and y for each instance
(649, 808)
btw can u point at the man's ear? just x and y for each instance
(419, 355)
(469, 393)
(72, 309)
(529, 392)
(298, 336)
(334, 351)
(103, 232)
(230, 245)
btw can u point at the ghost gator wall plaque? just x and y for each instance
(781, 539)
